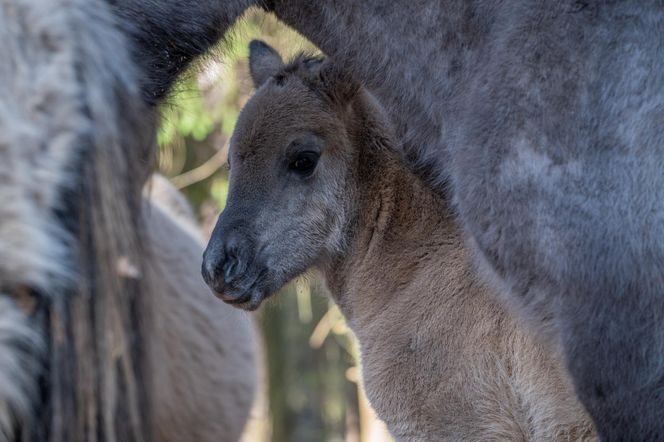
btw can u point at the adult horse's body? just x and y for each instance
(202, 356)
(543, 121)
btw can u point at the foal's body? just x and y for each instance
(442, 360)
(316, 181)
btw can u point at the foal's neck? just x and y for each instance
(400, 225)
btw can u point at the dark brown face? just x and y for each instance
(288, 202)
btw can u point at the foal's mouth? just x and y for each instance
(247, 293)
(249, 303)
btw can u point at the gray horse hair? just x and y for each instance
(75, 146)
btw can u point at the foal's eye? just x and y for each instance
(304, 163)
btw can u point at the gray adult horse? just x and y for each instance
(541, 121)
(106, 331)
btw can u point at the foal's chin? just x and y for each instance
(263, 287)
(250, 298)
(249, 302)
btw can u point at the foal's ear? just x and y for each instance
(337, 83)
(264, 62)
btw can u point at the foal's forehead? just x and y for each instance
(277, 114)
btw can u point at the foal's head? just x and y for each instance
(292, 179)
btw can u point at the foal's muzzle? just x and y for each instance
(229, 267)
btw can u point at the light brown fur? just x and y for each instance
(442, 360)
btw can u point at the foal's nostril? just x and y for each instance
(226, 262)
(231, 268)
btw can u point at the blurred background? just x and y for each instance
(311, 372)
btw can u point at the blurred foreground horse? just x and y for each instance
(106, 332)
